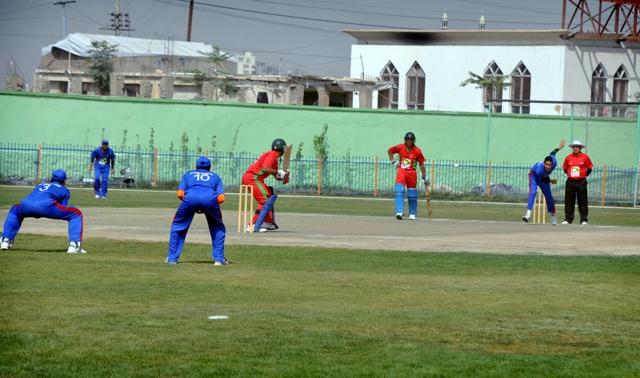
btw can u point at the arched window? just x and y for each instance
(415, 87)
(492, 94)
(620, 91)
(598, 90)
(520, 89)
(388, 98)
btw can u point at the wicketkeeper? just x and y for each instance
(47, 200)
(200, 191)
(409, 154)
(540, 177)
(265, 166)
(103, 161)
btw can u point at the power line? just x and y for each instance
(302, 18)
(25, 8)
(474, 21)
(255, 19)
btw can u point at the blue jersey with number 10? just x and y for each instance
(201, 183)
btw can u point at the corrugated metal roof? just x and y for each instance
(80, 44)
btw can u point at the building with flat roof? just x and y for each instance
(423, 69)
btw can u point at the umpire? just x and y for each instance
(578, 167)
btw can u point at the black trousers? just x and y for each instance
(573, 189)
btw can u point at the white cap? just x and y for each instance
(577, 143)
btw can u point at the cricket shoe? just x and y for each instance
(399, 216)
(97, 196)
(271, 226)
(584, 223)
(565, 222)
(251, 228)
(412, 217)
(6, 244)
(223, 262)
(554, 219)
(170, 262)
(527, 216)
(74, 247)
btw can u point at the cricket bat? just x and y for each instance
(428, 196)
(286, 160)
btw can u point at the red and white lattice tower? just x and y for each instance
(602, 19)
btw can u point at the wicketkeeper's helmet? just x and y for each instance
(410, 136)
(203, 162)
(58, 176)
(279, 145)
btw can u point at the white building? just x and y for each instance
(246, 63)
(424, 69)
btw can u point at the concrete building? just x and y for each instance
(182, 71)
(246, 64)
(138, 66)
(423, 69)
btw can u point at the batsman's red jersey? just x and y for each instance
(267, 160)
(406, 173)
(576, 166)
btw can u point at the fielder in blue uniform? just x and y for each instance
(539, 177)
(200, 191)
(47, 200)
(103, 160)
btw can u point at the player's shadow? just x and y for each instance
(38, 250)
(198, 262)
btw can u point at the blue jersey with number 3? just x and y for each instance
(48, 193)
(202, 184)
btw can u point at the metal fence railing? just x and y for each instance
(359, 176)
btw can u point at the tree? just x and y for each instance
(321, 143)
(222, 81)
(488, 82)
(227, 87)
(101, 55)
(218, 58)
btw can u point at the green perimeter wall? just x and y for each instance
(59, 119)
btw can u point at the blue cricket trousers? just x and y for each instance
(191, 205)
(101, 180)
(51, 210)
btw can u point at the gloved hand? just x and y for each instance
(281, 174)
(395, 163)
(554, 181)
(426, 181)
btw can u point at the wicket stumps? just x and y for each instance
(539, 209)
(245, 209)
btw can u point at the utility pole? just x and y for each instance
(119, 22)
(190, 20)
(64, 3)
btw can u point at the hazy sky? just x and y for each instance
(316, 46)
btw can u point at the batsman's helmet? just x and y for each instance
(203, 162)
(279, 145)
(409, 136)
(58, 176)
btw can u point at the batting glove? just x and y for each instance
(426, 181)
(395, 163)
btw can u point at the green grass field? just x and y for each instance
(323, 205)
(120, 311)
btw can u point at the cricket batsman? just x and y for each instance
(265, 166)
(540, 177)
(47, 200)
(200, 191)
(103, 160)
(409, 154)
